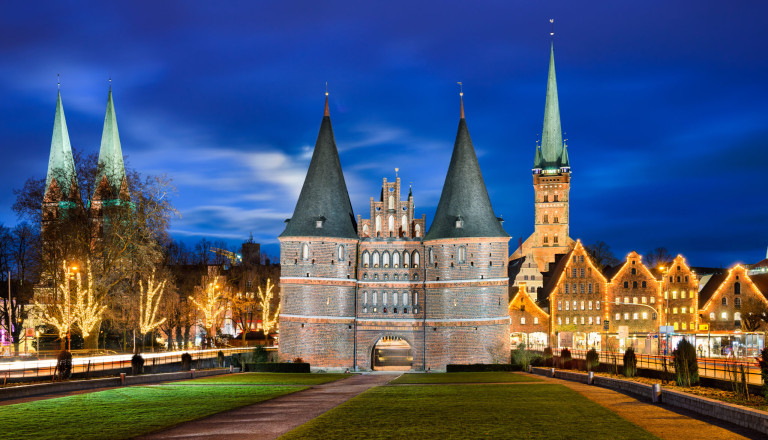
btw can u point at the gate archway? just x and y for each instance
(392, 353)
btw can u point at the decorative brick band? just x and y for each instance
(474, 281)
(468, 240)
(318, 319)
(318, 239)
(318, 280)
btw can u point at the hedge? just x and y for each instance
(278, 367)
(472, 368)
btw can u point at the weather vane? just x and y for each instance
(326, 88)
(552, 32)
(58, 80)
(461, 88)
(110, 83)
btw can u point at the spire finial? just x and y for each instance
(552, 31)
(461, 97)
(327, 112)
(396, 171)
(58, 80)
(110, 83)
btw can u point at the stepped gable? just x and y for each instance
(323, 208)
(464, 209)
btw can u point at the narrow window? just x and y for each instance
(405, 298)
(417, 230)
(341, 252)
(375, 259)
(644, 285)
(416, 259)
(304, 251)
(725, 301)
(736, 288)
(462, 254)
(378, 224)
(395, 259)
(366, 259)
(391, 223)
(404, 225)
(406, 259)
(385, 259)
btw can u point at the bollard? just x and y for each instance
(656, 393)
(590, 378)
(193, 372)
(122, 378)
(552, 372)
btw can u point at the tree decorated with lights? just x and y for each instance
(209, 300)
(56, 309)
(149, 301)
(268, 316)
(88, 310)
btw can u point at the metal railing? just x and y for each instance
(715, 368)
(44, 368)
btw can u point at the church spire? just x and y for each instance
(464, 209)
(61, 164)
(551, 135)
(111, 166)
(323, 208)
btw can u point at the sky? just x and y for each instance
(663, 105)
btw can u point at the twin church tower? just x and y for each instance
(386, 291)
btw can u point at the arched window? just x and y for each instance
(404, 224)
(416, 259)
(634, 271)
(725, 301)
(394, 298)
(366, 233)
(737, 316)
(634, 283)
(375, 259)
(341, 252)
(391, 223)
(406, 259)
(385, 259)
(737, 288)
(375, 298)
(366, 259)
(365, 298)
(384, 299)
(305, 251)
(522, 320)
(431, 256)
(415, 298)
(378, 224)
(395, 259)
(462, 254)
(405, 298)
(391, 202)
(417, 230)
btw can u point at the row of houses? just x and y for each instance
(582, 306)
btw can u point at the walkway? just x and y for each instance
(659, 420)
(275, 417)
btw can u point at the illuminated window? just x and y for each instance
(644, 300)
(682, 310)
(574, 305)
(645, 315)
(675, 326)
(626, 300)
(590, 305)
(724, 315)
(535, 319)
(674, 310)
(634, 316)
(666, 295)
(597, 305)
(618, 316)
(590, 320)
(522, 320)
(559, 321)
(685, 326)
(559, 305)
(674, 294)
(626, 316)
(634, 300)
(567, 320)
(582, 305)
(582, 320)
(737, 316)
(567, 305)
(653, 300)
(712, 316)
(618, 300)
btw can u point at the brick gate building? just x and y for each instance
(353, 290)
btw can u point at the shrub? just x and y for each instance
(630, 362)
(763, 362)
(686, 366)
(593, 359)
(64, 364)
(548, 356)
(260, 354)
(475, 368)
(565, 359)
(522, 358)
(220, 359)
(137, 364)
(278, 367)
(186, 362)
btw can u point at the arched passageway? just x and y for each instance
(392, 353)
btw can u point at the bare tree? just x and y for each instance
(658, 256)
(601, 254)
(753, 314)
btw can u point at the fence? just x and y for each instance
(715, 368)
(44, 368)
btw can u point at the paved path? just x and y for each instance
(275, 417)
(661, 421)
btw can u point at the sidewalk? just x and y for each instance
(657, 419)
(275, 417)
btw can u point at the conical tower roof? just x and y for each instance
(551, 135)
(464, 209)
(111, 163)
(323, 208)
(61, 164)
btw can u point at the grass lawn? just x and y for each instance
(125, 412)
(270, 379)
(489, 377)
(470, 411)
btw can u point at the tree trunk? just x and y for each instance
(92, 341)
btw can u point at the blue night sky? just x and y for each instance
(663, 103)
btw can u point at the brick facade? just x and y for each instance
(734, 294)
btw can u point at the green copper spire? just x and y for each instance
(61, 164)
(538, 162)
(111, 154)
(564, 162)
(551, 135)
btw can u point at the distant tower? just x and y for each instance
(466, 280)
(317, 276)
(111, 185)
(61, 191)
(551, 183)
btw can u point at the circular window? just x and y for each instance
(391, 189)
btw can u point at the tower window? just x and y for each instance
(304, 251)
(462, 256)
